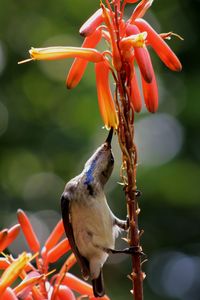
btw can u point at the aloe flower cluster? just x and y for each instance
(30, 276)
(127, 42)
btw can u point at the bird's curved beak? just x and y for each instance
(109, 137)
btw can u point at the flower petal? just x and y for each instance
(12, 234)
(55, 236)
(135, 96)
(150, 91)
(92, 23)
(52, 53)
(140, 10)
(79, 65)
(28, 231)
(59, 250)
(79, 286)
(106, 104)
(70, 261)
(141, 55)
(159, 45)
(64, 293)
(3, 238)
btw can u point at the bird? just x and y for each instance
(90, 225)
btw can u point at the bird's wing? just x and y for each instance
(82, 261)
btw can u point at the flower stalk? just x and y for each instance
(129, 158)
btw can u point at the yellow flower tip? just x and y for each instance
(134, 40)
(113, 121)
(34, 52)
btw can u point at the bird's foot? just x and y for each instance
(133, 250)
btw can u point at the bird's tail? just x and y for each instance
(98, 286)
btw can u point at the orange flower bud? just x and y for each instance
(3, 238)
(159, 45)
(79, 65)
(54, 236)
(140, 10)
(59, 250)
(150, 91)
(79, 286)
(106, 104)
(92, 23)
(71, 260)
(28, 231)
(64, 293)
(11, 235)
(135, 96)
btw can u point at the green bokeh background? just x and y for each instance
(47, 133)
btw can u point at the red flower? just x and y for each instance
(20, 279)
(128, 41)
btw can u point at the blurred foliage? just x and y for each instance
(47, 132)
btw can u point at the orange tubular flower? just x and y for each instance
(80, 286)
(92, 23)
(140, 10)
(79, 65)
(64, 293)
(59, 250)
(135, 97)
(11, 235)
(106, 104)
(70, 262)
(160, 46)
(51, 53)
(127, 42)
(150, 91)
(28, 231)
(3, 238)
(54, 236)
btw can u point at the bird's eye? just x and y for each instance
(112, 159)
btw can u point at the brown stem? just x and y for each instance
(129, 162)
(129, 156)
